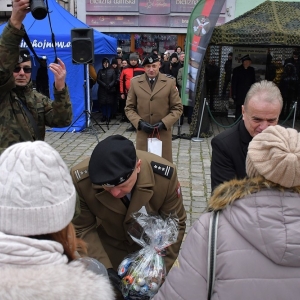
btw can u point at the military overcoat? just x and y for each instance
(103, 221)
(161, 104)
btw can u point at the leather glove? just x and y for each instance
(160, 125)
(146, 127)
(114, 279)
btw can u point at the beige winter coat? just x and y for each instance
(161, 104)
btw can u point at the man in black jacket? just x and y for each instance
(228, 71)
(261, 109)
(243, 77)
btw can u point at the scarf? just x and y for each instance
(19, 250)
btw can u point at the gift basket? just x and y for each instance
(144, 271)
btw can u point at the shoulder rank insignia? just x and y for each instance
(170, 76)
(81, 174)
(161, 169)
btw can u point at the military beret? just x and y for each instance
(24, 55)
(112, 161)
(245, 57)
(150, 59)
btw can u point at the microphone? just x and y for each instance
(93, 265)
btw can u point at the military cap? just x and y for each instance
(112, 161)
(24, 55)
(245, 57)
(150, 59)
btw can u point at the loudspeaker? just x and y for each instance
(82, 40)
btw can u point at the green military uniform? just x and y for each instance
(103, 221)
(15, 126)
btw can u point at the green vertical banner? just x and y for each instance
(202, 21)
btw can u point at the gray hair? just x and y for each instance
(267, 89)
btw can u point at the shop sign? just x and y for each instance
(119, 21)
(154, 7)
(183, 6)
(112, 5)
(154, 21)
(178, 21)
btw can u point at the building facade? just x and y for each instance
(141, 25)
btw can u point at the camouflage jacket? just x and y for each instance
(15, 126)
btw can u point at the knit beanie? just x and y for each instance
(275, 155)
(114, 61)
(133, 56)
(37, 195)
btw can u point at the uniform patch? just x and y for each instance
(81, 174)
(170, 76)
(161, 169)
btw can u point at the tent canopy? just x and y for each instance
(62, 22)
(270, 24)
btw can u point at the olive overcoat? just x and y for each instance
(161, 104)
(104, 220)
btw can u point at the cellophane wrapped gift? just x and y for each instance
(144, 271)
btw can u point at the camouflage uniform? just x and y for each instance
(14, 124)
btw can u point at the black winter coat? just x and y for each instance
(242, 79)
(106, 78)
(229, 150)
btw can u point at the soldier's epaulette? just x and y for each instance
(81, 174)
(170, 76)
(161, 169)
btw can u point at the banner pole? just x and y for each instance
(198, 139)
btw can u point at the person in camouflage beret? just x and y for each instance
(24, 112)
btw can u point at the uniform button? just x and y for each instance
(151, 114)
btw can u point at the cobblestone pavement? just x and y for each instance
(192, 158)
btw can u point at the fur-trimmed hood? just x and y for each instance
(46, 282)
(265, 214)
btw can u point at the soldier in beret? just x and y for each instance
(116, 181)
(153, 103)
(24, 112)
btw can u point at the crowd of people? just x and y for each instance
(63, 233)
(284, 73)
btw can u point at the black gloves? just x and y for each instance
(114, 279)
(160, 125)
(146, 127)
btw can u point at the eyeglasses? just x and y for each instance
(25, 69)
(119, 52)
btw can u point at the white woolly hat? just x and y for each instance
(37, 195)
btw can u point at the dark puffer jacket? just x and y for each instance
(106, 78)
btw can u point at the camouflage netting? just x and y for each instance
(272, 23)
